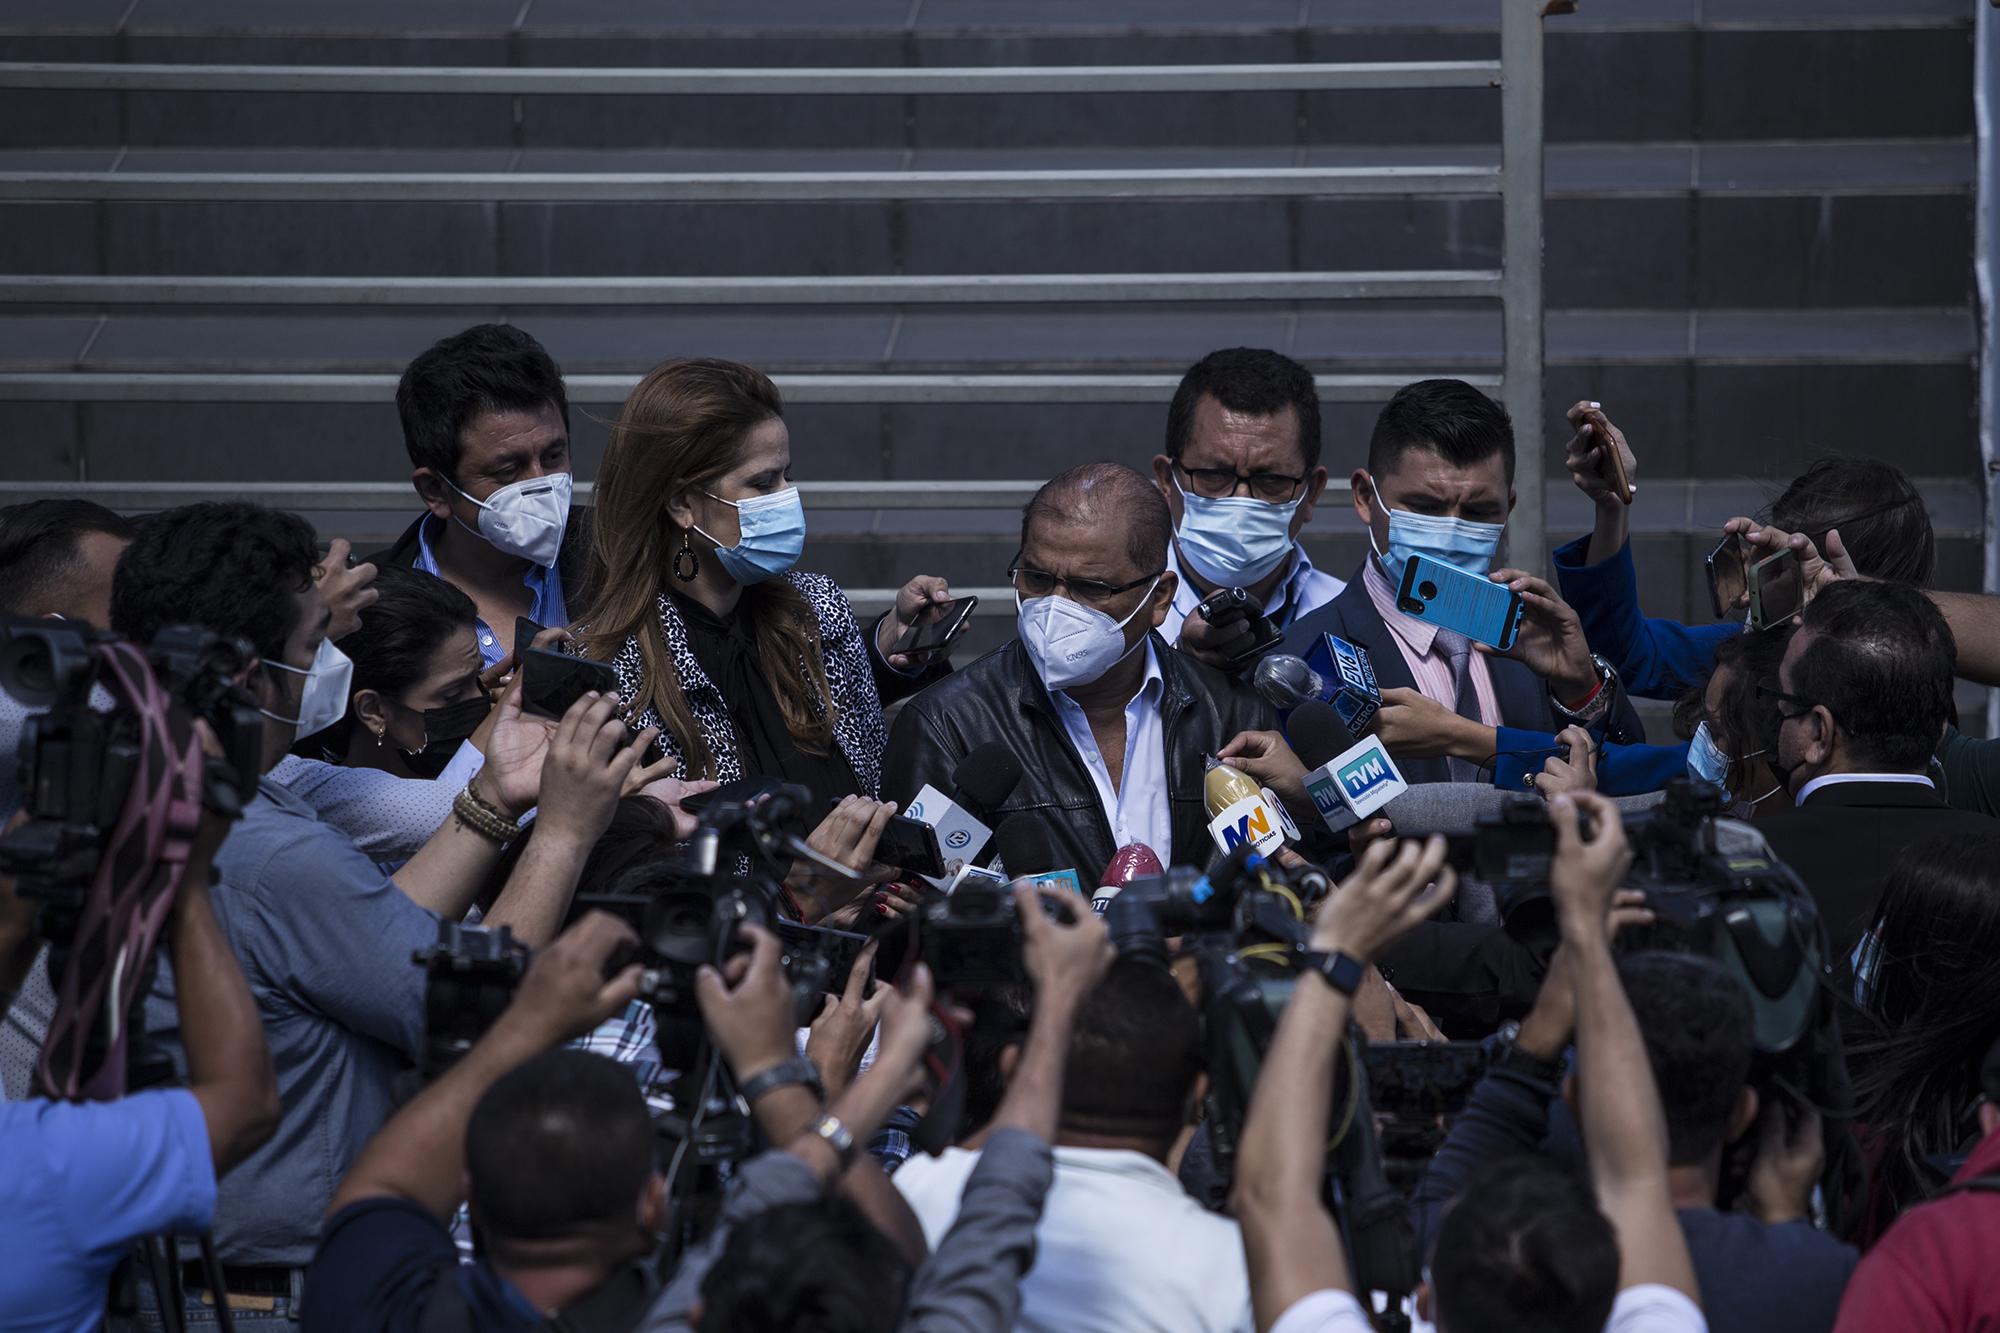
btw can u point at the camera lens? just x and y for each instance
(27, 670)
(1427, 590)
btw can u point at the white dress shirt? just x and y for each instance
(1137, 809)
(1120, 1248)
(1835, 779)
(1300, 593)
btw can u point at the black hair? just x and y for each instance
(1254, 381)
(1002, 1021)
(820, 1265)
(38, 548)
(1450, 418)
(1108, 493)
(1880, 659)
(1931, 988)
(1524, 1249)
(401, 630)
(1697, 1026)
(562, 1142)
(1134, 1054)
(1880, 514)
(230, 567)
(487, 368)
(640, 834)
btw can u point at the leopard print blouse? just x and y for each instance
(857, 727)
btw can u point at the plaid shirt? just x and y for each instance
(628, 1039)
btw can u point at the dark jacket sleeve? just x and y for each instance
(920, 751)
(1468, 977)
(1507, 1114)
(1971, 772)
(973, 1283)
(1656, 659)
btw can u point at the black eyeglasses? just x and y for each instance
(1215, 483)
(1031, 582)
(1766, 690)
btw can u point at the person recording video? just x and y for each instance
(324, 936)
(85, 1179)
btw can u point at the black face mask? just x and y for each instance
(445, 729)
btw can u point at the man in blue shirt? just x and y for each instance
(84, 1180)
(486, 423)
(324, 936)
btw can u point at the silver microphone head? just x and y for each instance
(1286, 681)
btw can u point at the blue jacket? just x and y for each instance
(1622, 770)
(1656, 659)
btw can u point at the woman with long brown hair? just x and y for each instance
(745, 665)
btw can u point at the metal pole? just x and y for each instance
(1521, 269)
(1984, 89)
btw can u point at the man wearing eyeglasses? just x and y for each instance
(1241, 475)
(1110, 724)
(1862, 695)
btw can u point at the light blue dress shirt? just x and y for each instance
(1137, 809)
(545, 583)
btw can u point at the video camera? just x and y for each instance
(112, 783)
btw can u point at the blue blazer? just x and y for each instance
(1522, 695)
(1656, 659)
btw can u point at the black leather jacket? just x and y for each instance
(1000, 698)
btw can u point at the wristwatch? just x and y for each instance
(1342, 971)
(784, 1074)
(838, 1137)
(1599, 702)
(1503, 1051)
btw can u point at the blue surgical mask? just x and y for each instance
(1707, 761)
(1234, 540)
(1458, 542)
(771, 533)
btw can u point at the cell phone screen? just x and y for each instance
(552, 682)
(1728, 577)
(1777, 590)
(937, 627)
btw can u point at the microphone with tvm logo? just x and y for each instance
(1348, 780)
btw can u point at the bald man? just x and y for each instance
(1110, 724)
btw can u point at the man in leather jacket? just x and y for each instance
(1111, 726)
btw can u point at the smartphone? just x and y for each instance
(1448, 597)
(838, 948)
(551, 681)
(1729, 576)
(910, 844)
(1225, 604)
(525, 631)
(1614, 457)
(936, 627)
(1777, 589)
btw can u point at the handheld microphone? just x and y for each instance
(1135, 860)
(1333, 671)
(984, 778)
(1027, 854)
(1239, 811)
(1348, 780)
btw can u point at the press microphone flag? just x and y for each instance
(981, 782)
(1135, 860)
(1349, 784)
(1333, 671)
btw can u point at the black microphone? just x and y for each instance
(1316, 733)
(985, 778)
(1027, 853)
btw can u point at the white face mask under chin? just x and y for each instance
(1071, 645)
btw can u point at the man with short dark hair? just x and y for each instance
(324, 935)
(1763, 1270)
(486, 423)
(1120, 1242)
(1241, 475)
(1439, 482)
(1863, 696)
(1110, 725)
(56, 558)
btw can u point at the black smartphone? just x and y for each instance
(525, 631)
(839, 949)
(909, 844)
(1777, 589)
(551, 681)
(936, 627)
(1728, 576)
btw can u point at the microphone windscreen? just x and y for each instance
(1317, 734)
(1285, 681)
(1024, 846)
(986, 777)
(1135, 860)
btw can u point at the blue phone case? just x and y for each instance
(1450, 598)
